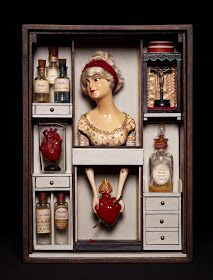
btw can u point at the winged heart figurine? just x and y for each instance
(108, 209)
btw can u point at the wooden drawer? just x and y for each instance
(162, 220)
(51, 109)
(52, 182)
(161, 203)
(162, 237)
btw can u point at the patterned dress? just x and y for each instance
(89, 134)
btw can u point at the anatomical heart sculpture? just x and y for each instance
(52, 148)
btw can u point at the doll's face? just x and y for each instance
(97, 87)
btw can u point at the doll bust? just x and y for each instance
(105, 125)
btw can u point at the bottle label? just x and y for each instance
(52, 74)
(161, 174)
(62, 85)
(61, 217)
(41, 86)
(43, 224)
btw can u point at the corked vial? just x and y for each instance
(61, 212)
(53, 54)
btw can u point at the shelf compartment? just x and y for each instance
(126, 233)
(52, 246)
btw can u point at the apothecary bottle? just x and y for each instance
(52, 69)
(161, 165)
(41, 88)
(62, 84)
(61, 219)
(43, 220)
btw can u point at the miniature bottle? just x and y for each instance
(41, 85)
(52, 69)
(43, 220)
(62, 84)
(61, 219)
(161, 165)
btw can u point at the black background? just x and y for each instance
(11, 263)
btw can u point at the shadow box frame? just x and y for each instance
(34, 33)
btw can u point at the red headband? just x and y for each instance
(103, 64)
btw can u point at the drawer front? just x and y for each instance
(162, 220)
(52, 110)
(52, 182)
(162, 203)
(162, 237)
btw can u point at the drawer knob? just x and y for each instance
(161, 221)
(51, 182)
(162, 202)
(162, 237)
(51, 109)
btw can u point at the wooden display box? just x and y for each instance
(156, 227)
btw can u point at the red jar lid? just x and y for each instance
(160, 46)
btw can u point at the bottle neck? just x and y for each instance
(53, 64)
(41, 73)
(160, 152)
(62, 72)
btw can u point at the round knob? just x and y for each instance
(51, 182)
(51, 109)
(161, 221)
(162, 237)
(162, 202)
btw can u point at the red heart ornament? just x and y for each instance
(108, 210)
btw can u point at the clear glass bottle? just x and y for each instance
(61, 219)
(161, 165)
(43, 220)
(62, 84)
(41, 88)
(52, 69)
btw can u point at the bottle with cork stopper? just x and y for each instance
(62, 84)
(52, 69)
(161, 165)
(43, 220)
(41, 88)
(61, 219)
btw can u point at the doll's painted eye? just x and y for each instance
(96, 79)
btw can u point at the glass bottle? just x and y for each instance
(161, 165)
(41, 85)
(62, 84)
(43, 220)
(61, 219)
(52, 69)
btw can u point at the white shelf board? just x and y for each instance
(52, 175)
(53, 247)
(106, 255)
(160, 194)
(108, 156)
(162, 115)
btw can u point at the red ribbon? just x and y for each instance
(103, 64)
